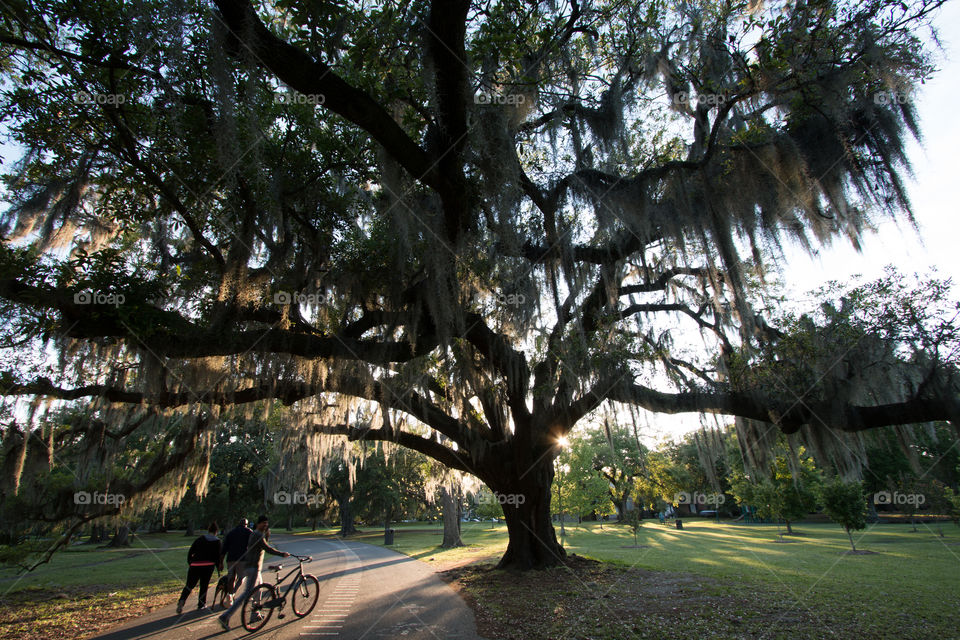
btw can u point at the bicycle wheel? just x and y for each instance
(258, 608)
(305, 594)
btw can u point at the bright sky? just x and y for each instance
(935, 193)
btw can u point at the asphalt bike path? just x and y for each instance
(366, 593)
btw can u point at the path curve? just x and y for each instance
(367, 592)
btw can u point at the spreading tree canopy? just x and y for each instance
(478, 222)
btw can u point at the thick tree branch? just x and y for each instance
(308, 76)
(444, 455)
(788, 416)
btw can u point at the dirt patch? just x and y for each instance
(75, 612)
(586, 599)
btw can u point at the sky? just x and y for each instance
(934, 192)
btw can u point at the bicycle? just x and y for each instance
(258, 608)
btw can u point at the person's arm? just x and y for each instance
(276, 552)
(222, 551)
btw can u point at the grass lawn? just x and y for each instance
(85, 589)
(719, 580)
(708, 580)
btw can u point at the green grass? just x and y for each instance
(150, 560)
(912, 575)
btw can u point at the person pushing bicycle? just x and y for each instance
(253, 558)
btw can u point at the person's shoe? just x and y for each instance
(223, 624)
(179, 607)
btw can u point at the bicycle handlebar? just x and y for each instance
(303, 558)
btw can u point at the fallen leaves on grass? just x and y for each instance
(588, 600)
(69, 613)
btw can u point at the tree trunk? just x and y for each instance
(289, 522)
(96, 534)
(532, 540)
(852, 546)
(451, 519)
(189, 531)
(346, 515)
(789, 530)
(121, 538)
(621, 509)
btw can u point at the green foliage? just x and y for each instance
(486, 505)
(578, 488)
(781, 495)
(845, 503)
(18, 555)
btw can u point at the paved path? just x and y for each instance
(366, 592)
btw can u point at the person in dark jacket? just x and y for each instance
(256, 548)
(234, 548)
(205, 554)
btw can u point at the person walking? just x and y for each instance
(203, 556)
(234, 547)
(253, 558)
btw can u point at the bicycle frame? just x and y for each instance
(282, 593)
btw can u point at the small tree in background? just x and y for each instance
(845, 504)
(953, 498)
(633, 519)
(786, 494)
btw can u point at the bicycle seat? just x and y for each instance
(275, 567)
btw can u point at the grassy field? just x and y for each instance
(911, 581)
(738, 572)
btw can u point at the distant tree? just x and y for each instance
(663, 481)
(614, 453)
(485, 504)
(953, 498)
(845, 504)
(634, 519)
(584, 481)
(786, 494)
(451, 508)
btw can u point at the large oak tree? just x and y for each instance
(482, 219)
